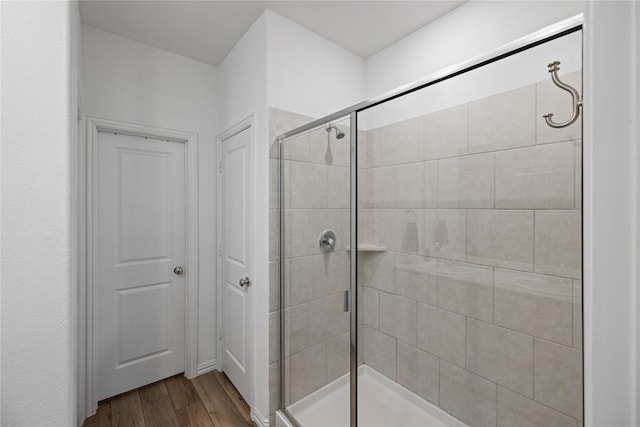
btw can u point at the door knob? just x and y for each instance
(178, 270)
(245, 282)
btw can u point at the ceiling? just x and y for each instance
(207, 30)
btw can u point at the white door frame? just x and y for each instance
(190, 139)
(247, 123)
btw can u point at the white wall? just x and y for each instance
(280, 64)
(242, 82)
(309, 74)
(132, 82)
(612, 144)
(37, 360)
(472, 29)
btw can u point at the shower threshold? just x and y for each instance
(381, 403)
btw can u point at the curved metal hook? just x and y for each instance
(577, 101)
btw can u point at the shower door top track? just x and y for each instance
(562, 28)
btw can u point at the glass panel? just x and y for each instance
(316, 330)
(470, 252)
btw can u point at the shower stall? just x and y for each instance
(428, 258)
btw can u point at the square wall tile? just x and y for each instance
(466, 182)
(274, 387)
(516, 410)
(317, 276)
(416, 278)
(502, 238)
(274, 286)
(338, 356)
(466, 396)
(536, 177)
(505, 120)
(577, 314)
(419, 372)
(443, 133)
(274, 184)
(466, 289)
(308, 371)
(442, 233)
(274, 337)
(398, 317)
(558, 239)
(368, 226)
(558, 377)
(378, 270)
(552, 99)
(296, 148)
(379, 351)
(303, 228)
(370, 307)
(339, 184)
(410, 185)
(274, 235)
(297, 332)
(442, 333)
(377, 187)
(534, 304)
(501, 355)
(365, 149)
(327, 318)
(309, 188)
(396, 144)
(398, 229)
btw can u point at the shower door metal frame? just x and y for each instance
(542, 36)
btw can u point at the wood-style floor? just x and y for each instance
(209, 400)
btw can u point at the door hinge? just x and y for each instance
(220, 251)
(219, 334)
(220, 167)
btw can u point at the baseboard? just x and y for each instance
(205, 367)
(260, 420)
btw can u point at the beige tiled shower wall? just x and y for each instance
(476, 303)
(316, 198)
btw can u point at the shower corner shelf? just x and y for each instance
(369, 247)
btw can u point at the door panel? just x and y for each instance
(138, 299)
(236, 259)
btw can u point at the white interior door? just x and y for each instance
(139, 314)
(236, 274)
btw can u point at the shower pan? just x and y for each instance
(445, 286)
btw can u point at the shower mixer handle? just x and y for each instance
(327, 241)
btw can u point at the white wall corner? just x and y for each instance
(242, 83)
(307, 73)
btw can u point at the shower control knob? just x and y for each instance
(327, 241)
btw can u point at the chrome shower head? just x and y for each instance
(339, 134)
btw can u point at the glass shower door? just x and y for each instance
(315, 327)
(470, 252)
